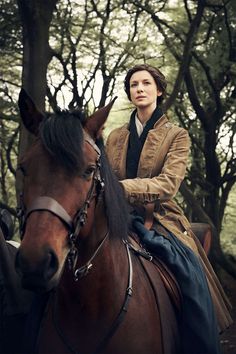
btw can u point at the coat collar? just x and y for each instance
(150, 149)
(158, 124)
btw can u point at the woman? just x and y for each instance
(149, 156)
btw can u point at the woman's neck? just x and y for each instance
(145, 113)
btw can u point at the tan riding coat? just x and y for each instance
(161, 169)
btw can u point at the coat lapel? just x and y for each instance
(150, 151)
(152, 146)
(120, 152)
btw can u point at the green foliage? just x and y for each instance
(228, 235)
(10, 39)
(92, 45)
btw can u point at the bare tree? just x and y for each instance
(210, 87)
(36, 17)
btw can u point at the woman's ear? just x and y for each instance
(159, 93)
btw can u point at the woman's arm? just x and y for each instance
(167, 183)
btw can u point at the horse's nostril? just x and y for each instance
(45, 268)
(51, 265)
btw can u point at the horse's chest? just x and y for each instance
(48, 340)
(80, 331)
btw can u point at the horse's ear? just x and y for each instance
(30, 115)
(94, 124)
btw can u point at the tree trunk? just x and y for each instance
(36, 17)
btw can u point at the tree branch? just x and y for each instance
(186, 56)
(194, 204)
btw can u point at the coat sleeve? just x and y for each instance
(167, 183)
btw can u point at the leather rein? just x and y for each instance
(74, 225)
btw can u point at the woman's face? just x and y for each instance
(143, 90)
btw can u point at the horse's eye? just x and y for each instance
(89, 171)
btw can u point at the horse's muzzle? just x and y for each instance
(37, 276)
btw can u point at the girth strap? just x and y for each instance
(170, 332)
(120, 317)
(166, 275)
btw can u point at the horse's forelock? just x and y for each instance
(62, 136)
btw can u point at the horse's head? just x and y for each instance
(61, 174)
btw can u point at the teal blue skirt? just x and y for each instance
(198, 327)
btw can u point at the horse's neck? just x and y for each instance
(81, 314)
(92, 233)
(90, 305)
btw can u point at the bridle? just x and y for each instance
(74, 225)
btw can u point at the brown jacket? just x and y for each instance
(161, 169)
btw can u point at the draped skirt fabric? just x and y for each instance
(199, 329)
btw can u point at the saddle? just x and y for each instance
(162, 281)
(166, 275)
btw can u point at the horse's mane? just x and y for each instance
(62, 135)
(115, 202)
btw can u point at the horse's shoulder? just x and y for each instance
(166, 292)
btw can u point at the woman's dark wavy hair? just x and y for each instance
(157, 75)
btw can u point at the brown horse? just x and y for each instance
(106, 296)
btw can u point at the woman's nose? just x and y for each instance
(140, 88)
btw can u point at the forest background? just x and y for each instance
(75, 53)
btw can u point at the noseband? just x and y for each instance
(74, 225)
